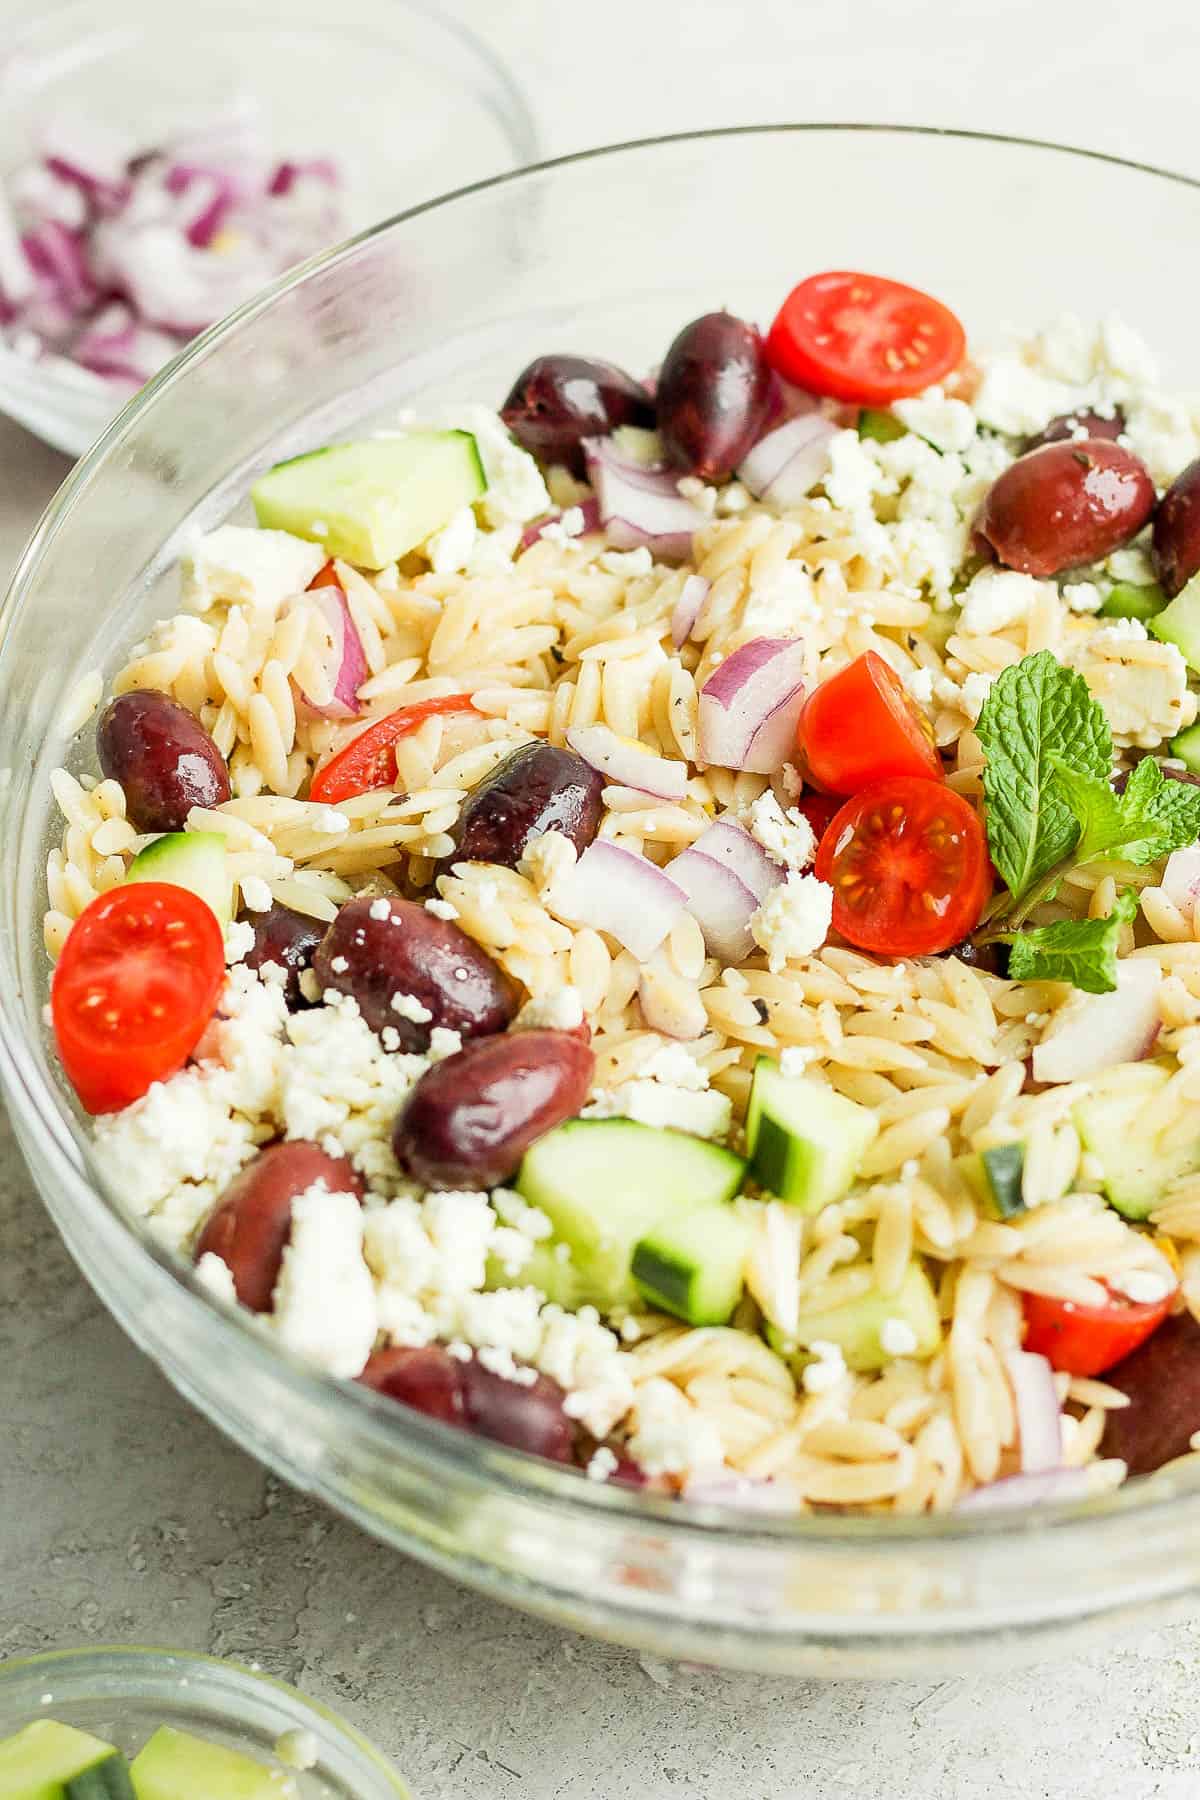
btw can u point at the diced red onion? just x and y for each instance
(346, 666)
(732, 846)
(211, 195)
(719, 901)
(787, 464)
(1097, 1031)
(686, 609)
(286, 174)
(626, 762)
(750, 705)
(640, 505)
(41, 194)
(1181, 879)
(591, 523)
(617, 890)
(116, 345)
(1039, 1416)
(1046, 1485)
(88, 153)
(57, 255)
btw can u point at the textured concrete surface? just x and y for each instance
(124, 1516)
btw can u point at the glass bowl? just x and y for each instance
(604, 254)
(409, 102)
(123, 1694)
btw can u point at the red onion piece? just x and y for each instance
(787, 464)
(116, 345)
(1047, 1485)
(719, 901)
(285, 176)
(57, 256)
(686, 610)
(733, 846)
(639, 505)
(616, 890)
(89, 154)
(751, 703)
(591, 522)
(1181, 879)
(1039, 1416)
(347, 663)
(1093, 1032)
(625, 762)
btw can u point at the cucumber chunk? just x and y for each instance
(1128, 602)
(189, 859)
(1179, 623)
(692, 1266)
(855, 1325)
(805, 1140)
(177, 1766)
(1136, 1166)
(551, 1273)
(994, 1177)
(605, 1183)
(374, 501)
(1187, 748)
(880, 427)
(48, 1761)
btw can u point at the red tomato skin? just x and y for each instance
(884, 873)
(150, 925)
(369, 760)
(861, 726)
(863, 337)
(1088, 1340)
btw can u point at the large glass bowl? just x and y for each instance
(606, 254)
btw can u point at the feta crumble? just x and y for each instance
(603, 1463)
(998, 598)
(669, 1436)
(826, 1370)
(255, 893)
(441, 909)
(787, 838)
(897, 1337)
(379, 909)
(449, 550)
(248, 564)
(793, 920)
(323, 1307)
(215, 1275)
(561, 1010)
(410, 1008)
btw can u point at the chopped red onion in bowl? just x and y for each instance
(751, 703)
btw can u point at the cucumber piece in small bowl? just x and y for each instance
(51, 1761)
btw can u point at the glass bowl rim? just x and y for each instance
(521, 1476)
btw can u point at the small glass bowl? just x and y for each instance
(123, 1694)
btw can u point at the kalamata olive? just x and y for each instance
(525, 1415)
(714, 394)
(991, 958)
(163, 758)
(1175, 541)
(383, 950)
(470, 1119)
(1083, 422)
(1162, 1379)
(559, 400)
(287, 938)
(1066, 504)
(253, 1218)
(536, 789)
(428, 1379)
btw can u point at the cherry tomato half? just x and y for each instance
(369, 760)
(862, 337)
(862, 726)
(1087, 1340)
(908, 866)
(134, 988)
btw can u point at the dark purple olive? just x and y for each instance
(1175, 543)
(525, 1415)
(163, 758)
(428, 1379)
(381, 950)
(537, 789)
(252, 1222)
(715, 390)
(470, 1119)
(559, 400)
(1083, 422)
(991, 958)
(1066, 504)
(287, 938)
(1162, 1379)
(1120, 782)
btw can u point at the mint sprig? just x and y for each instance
(1081, 951)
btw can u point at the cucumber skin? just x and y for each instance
(1187, 748)
(39, 1757)
(994, 1177)
(1179, 623)
(799, 1169)
(179, 851)
(670, 1276)
(107, 1780)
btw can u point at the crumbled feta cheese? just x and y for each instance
(572, 522)
(330, 822)
(660, 1103)
(298, 1750)
(255, 893)
(503, 1363)
(795, 1058)
(779, 603)
(627, 562)
(449, 549)
(733, 498)
(443, 1043)
(1018, 400)
(826, 1370)
(1131, 564)
(1083, 596)
(561, 1010)
(787, 838)
(214, 1274)
(996, 599)
(947, 424)
(244, 563)
(516, 492)
(380, 909)
(793, 920)
(897, 1337)
(670, 1436)
(425, 1254)
(919, 683)
(1162, 431)
(675, 1064)
(323, 1306)
(410, 1008)
(603, 1463)
(239, 940)
(441, 909)
(975, 690)
(339, 964)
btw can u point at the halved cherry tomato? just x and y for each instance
(135, 986)
(1087, 1340)
(862, 337)
(326, 576)
(820, 809)
(908, 866)
(369, 760)
(862, 726)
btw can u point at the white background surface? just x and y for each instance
(122, 1516)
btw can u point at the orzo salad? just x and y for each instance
(658, 925)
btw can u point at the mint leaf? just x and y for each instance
(1145, 822)
(1105, 823)
(1035, 712)
(1081, 951)
(1173, 805)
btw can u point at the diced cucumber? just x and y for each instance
(879, 427)
(107, 1780)
(940, 627)
(1135, 1164)
(639, 445)
(855, 1325)
(1128, 602)
(1179, 623)
(374, 501)
(994, 1177)
(1187, 748)
(692, 1266)
(189, 859)
(605, 1183)
(805, 1141)
(551, 1273)
(175, 1765)
(47, 1761)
